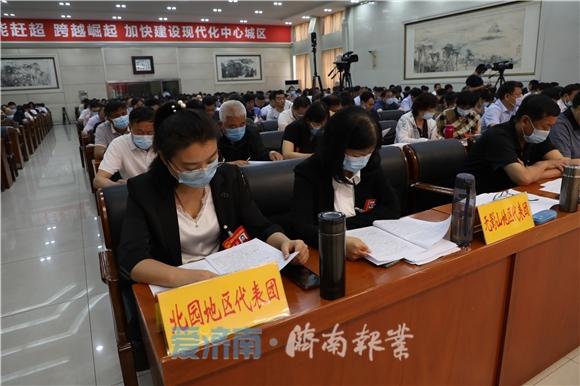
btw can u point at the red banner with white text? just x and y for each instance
(29, 30)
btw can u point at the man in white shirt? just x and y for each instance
(568, 94)
(117, 124)
(91, 111)
(280, 104)
(130, 154)
(299, 107)
(509, 96)
(407, 102)
(93, 121)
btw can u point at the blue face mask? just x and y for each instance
(121, 123)
(236, 134)
(354, 164)
(428, 115)
(198, 178)
(143, 142)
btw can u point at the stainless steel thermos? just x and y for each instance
(570, 188)
(332, 248)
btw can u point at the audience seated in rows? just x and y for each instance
(509, 96)
(115, 125)
(418, 124)
(302, 137)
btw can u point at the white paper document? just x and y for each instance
(248, 255)
(553, 186)
(537, 203)
(416, 241)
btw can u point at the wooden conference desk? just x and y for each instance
(497, 314)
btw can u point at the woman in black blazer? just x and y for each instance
(184, 187)
(346, 176)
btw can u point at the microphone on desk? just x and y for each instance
(332, 248)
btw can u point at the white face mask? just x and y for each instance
(463, 112)
(428, 115)
(537, 136)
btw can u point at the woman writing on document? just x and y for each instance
(188, 204)
(345, 175)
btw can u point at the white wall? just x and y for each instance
(89, 68)
(380, 27)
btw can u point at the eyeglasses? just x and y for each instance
(506, 194)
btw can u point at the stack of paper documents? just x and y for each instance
(416, 241)
(553, 186)
(244, 256)
(537, 203)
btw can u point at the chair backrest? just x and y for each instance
(390, 115)
(388, 132)
(272, 185)
(394, 165)
(272, 140)
(268, 126)
(112, 202)
(436, 162)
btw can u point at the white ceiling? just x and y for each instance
(186, 11)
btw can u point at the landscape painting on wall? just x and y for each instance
(452, 46)
(238, 68)
(28, 73)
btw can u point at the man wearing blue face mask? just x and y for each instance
(116, 124)
(241, 142)
(518, 152)
(130, 154)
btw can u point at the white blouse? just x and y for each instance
(199, 236)
(344, 195)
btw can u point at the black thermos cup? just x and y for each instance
(332, 248)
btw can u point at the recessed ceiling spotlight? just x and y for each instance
(63, 4)
(4, 1)
(258, 12)
(170, 8)
(218, 10)
(327, 10)
(117, 18)
(162, 19)
(205, 20)
(288, 22)
(306, 17)
(277, 4)
(65, 16)
(243, 21)
(232, 1)
(120, 6)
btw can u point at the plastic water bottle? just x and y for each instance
(463, 212)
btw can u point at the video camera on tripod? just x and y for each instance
(342, 68)
(500, 67)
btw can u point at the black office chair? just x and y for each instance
(268, 126)
(272, 140)
(433, 166)
(272, 186)
(390, 115)
(394, 165)
(112, 202)
(388, 131)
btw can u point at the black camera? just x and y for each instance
(502, 66)
(349, 57)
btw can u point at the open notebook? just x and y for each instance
(250, 254)
(416, 241)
